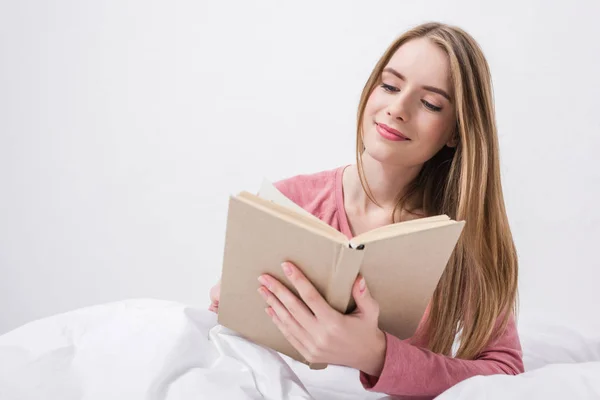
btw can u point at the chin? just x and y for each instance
(380, 150)
(383, 154)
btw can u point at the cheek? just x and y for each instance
(374, 103)
(433, 129)
(369, 112)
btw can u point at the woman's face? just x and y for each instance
(414, 99)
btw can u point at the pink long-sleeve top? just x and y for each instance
(409, 370)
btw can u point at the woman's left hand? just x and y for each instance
(320, 333)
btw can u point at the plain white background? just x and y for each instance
(125, 126)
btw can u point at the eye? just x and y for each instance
(389, 88)
(431, 106)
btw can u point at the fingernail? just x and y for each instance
(263, 292)
(269, 311)
(361, 285)
(286, 268)
(263, 281)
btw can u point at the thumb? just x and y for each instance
(365, 304)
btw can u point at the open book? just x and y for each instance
(401, 263)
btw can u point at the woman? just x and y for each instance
(426, 145)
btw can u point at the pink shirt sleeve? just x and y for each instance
(415, 372)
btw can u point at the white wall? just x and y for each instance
(124, 126)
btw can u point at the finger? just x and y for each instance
(287, 333)
(290, 301)
(365, 303)
(288, 319)
(309, 294)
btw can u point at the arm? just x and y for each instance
(414, 371)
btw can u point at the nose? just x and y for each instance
(398, 108)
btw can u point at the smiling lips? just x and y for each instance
(390, 133)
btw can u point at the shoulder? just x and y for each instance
(312, 189)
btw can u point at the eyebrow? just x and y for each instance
(429, 88)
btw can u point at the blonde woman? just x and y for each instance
(426, 144)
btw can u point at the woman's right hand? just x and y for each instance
(215, 293)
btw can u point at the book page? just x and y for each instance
(401, 228)
(308, 221)
(268, 191)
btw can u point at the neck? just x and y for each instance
(386, 182)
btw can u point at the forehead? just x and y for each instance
(422, 63)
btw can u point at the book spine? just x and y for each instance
(346, 268)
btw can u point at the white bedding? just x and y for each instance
(150, 349)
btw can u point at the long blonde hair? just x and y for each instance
(479, 284)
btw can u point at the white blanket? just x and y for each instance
(557, 381)
(150, 349)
